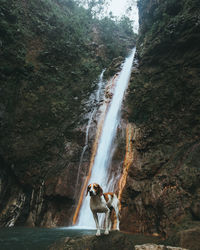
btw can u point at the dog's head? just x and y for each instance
(94, 189)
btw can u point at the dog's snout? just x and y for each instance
(91, 193)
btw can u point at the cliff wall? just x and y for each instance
(162, 191)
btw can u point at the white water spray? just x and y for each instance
(102, 159)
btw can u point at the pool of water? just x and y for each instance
(18, 238)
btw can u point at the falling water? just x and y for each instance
(97, 99)
(102, 159)
(100, 85)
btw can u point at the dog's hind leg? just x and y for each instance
(117, 214)
(115, 205)
(107, 221)
(98, 233)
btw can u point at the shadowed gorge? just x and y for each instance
(53, 56)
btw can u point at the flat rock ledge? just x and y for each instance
(157, 247)
(113, 241)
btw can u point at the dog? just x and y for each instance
(103, 203)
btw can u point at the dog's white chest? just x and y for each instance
(98, 204)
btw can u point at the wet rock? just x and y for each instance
(13, 210)
(113, 241)
(62, 184)
(157, 247)
(190, 238)
(196, 209)
(114, 67)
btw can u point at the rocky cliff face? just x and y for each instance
(162, 191)
(51, 55)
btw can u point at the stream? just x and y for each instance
(21, 238)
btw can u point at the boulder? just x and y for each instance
(190, 238)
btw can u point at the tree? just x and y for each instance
(96, 7)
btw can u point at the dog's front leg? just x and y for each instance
(107, 221)
(97, 223)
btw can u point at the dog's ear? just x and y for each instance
(88, 188)
(99, 190)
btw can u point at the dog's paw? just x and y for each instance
(98, 233)
(106, 232)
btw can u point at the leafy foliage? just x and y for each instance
(117, 35)
(95, 7)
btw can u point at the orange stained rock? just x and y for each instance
(114, 79)
(128, 160)
(129, 157)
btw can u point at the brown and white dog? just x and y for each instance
(103, 203)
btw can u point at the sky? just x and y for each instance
(118, 8)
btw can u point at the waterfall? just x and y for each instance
(97, 99)
(102, 159)
(100, 85)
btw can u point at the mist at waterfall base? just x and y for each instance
(103, 156)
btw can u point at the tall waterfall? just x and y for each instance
(102, 159)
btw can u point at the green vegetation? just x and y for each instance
(122, 30)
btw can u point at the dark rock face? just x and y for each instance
(13, 199)
(162, 189)
(190, 238)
